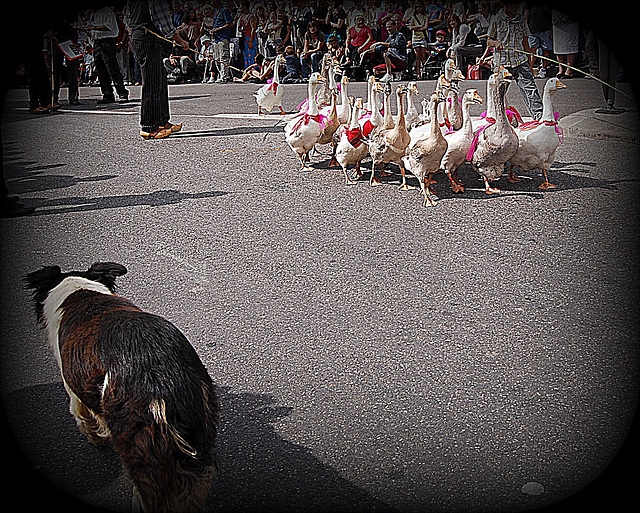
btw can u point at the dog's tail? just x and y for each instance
(169, 451)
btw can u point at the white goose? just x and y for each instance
(538, 140)
(351, 148)
(270, 95)
(459, 142)
(370, 85)
(330, 111)
(498, 142)
(390, 144)
(423, 160)
(422, 130)
(411, 113)
(369, 120)
(344, 109)
(302, 132)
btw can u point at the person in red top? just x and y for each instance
(359, 39)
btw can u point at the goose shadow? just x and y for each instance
(567, 176)
(225, 132)
(258, 470)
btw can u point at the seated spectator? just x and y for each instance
(394, 52)
(292, 70)
(463, 41)
(337, 50)
(439, 47)
(204, 60)
(253, 72)
(436, 55)
(481, 20)
(179, 65)
(313, 49)
(359, 40)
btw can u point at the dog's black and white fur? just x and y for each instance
(134, 379)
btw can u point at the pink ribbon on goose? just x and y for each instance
(529, 125)
(474, 143)
(321, 119)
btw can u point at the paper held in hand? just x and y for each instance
(69, 51)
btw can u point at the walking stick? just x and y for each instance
(570, 67)
(53, 78)
(174, 43)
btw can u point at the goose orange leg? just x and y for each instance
(488, 189)
(546, 185)
(404, 186)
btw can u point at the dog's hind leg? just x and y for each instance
(92, 425)
(136, 503)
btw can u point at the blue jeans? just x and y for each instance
(526, 84)
(315, 59)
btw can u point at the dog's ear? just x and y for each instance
(106, 273)
(43, 280)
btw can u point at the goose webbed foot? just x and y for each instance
(456, 186)
(304, 158)
(347, 179)
(488, 189)
(384, 173)
(513, 178)
(374, 181)
(404, 186)
(428, 200)
(546, 185)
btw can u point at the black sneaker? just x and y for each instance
(106, 99)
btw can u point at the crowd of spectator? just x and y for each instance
(406, 38)
(237, 40)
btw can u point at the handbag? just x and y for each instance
(473, 72)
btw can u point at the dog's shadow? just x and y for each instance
(261, 471)
(258, 469)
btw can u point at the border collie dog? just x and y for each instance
(134, 379)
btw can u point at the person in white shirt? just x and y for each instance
(104, 31)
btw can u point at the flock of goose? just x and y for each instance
(440, 139)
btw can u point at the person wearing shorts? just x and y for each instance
(540, 38)
(418, 24)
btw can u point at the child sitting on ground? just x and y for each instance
(254, 71)
(292, 69)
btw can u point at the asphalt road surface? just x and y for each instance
(372, 354)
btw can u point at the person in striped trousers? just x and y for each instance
(147, 20)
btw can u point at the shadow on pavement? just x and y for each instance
(258, 469)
